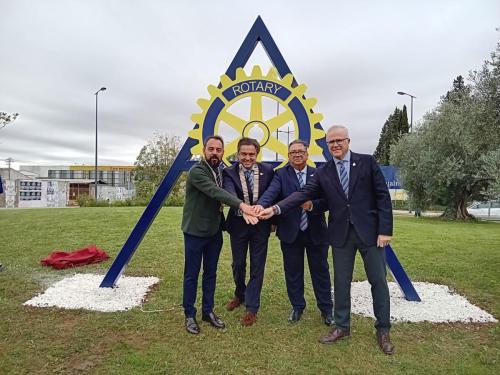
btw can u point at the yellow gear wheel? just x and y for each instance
(298, 110)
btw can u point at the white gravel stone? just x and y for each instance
(439, 304)
(82, 291)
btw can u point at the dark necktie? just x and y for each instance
(249, 179)
(303, 214)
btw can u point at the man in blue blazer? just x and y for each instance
(360, 219)
(301, 229)
(247, 180)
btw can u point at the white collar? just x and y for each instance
(304, 170)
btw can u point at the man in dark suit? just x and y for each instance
(301, 229)
(360, 219)
(202, 222)
(247, 180)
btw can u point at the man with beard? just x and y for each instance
(202, 222)
(247, 180)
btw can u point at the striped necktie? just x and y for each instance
(344, 180)
(249, 178)
(303, 214)
(218, 178)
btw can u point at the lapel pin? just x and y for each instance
(353, 164)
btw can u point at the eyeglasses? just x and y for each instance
(297, 153)
(337, 141)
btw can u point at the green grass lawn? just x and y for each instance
(464, 256)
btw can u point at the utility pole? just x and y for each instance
(9, 160)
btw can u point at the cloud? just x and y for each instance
(156, 59)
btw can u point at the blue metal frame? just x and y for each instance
(258, 33)
(399, 274)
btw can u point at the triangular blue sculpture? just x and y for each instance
(258, 33)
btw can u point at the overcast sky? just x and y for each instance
(156, 58)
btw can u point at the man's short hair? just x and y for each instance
(299, 142)
(333, 127)
(246, 141)
(217, 137)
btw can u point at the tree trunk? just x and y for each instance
(457, 210)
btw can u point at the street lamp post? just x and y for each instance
(95, 180)
(411, 107)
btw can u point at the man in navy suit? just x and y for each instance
(360, 219)
(247, 180)
(301, 229)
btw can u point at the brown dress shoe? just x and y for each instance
(333, 336)
(384, 341)
(233, 303)
(249, 319)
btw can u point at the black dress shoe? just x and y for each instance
(328, 319)
(294, 316)
(192, 326)
(214, 320)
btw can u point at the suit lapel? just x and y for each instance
(353, 172)
(310, 172)
(293, 176)
(236, 176)
(261, 180)
(334, 176)
(208, 169)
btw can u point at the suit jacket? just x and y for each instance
(202, 215)
(235, 224)
(284, 183)
(368, 206)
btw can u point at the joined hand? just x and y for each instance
(250, 219)
(266, 213)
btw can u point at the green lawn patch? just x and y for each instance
(152, 340)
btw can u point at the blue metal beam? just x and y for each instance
(400, 275)
(181, 163)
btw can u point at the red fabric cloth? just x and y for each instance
(86, 255)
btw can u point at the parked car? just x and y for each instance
(485, 209)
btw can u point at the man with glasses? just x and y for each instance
(302, 229)
(360, 219)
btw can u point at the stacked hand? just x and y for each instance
(266, 213)
(252, 214)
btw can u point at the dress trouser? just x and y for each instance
(256, 243)
(293, 263)
(375, 268)
(196, 250)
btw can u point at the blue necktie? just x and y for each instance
(249, 178)
(303, 215)
(344, 180)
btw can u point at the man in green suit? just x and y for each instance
(202, 222)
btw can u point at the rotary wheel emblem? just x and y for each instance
(218, 110)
